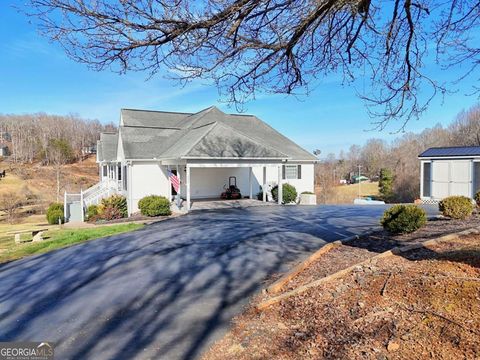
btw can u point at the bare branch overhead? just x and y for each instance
(277, 46)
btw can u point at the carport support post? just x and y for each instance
(188, 187)
(280, 187)
(250, 183)
(264, 184)
(65, 206)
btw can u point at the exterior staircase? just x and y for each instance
(75, 204)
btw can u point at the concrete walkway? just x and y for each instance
(218, 204)
(168, 290)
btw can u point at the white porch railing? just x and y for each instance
(91, 196)
(102, 190)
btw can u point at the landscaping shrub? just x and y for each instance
(115, 205)
(108, 213)
(289, 193)
(477, 198)
(55, 213)
(154, 205)
(92, 212)
(403, 219)
(456, 207)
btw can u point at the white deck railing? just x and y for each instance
(93, 195)
(102, 190)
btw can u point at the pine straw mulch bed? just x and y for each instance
(421, 304)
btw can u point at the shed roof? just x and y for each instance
(459, 151)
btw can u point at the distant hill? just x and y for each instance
(38, 182)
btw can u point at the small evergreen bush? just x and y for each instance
(92, 212)
(55, 214)
(154, 205)
(289, 193)
(385, 185)
(403, 219)
(456, 207)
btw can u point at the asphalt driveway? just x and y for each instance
(168, 290)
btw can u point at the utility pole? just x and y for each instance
(359, 192)
(334, 186)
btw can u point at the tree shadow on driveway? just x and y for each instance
(168, 290)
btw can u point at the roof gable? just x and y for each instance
(222, 141)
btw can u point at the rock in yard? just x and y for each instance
(392, 346)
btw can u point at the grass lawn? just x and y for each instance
(57, 238)
(345, 194)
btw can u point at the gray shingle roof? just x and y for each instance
(224, 141)
(208, 133)
(451, 151)
(107, 147)
(152, 119)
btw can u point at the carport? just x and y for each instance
(203, 179)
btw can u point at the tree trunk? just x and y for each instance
(58, 182)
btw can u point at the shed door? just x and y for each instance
(460, 177)
(440, 179)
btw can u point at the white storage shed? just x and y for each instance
(447, 171)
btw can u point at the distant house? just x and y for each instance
(356, 179)
(88, 150)
(5, 136)
(203, 150)
(446, 171)
(4, 151)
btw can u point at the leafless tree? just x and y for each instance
(31, 134)
(401, 155)
(278, 46)
(10, 203)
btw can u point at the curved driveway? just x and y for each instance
(168, 290)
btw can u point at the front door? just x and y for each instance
(460, 177)
(440, 179)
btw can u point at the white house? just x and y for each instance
(446, 171)
(204, 149)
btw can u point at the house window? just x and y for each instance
(105, 171)
(119, 172)
(291, 172)
(426, 179)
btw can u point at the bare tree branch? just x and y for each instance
(276, 46)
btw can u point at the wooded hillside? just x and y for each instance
(34, 137)
(400, 155)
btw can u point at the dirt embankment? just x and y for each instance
(39, 183)
(421, 304)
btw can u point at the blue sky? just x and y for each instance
(36, 76)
